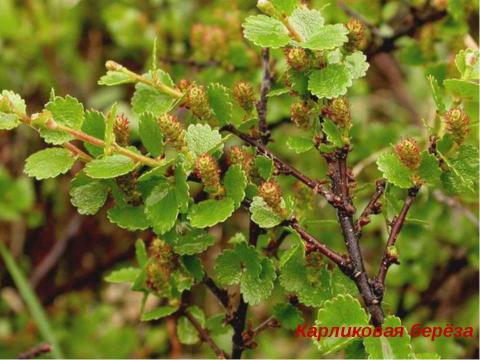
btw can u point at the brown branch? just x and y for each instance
(56, 252)
(389, 255)
(249, 335)
(455, 204)
(220, 294)
(284, 168)
(35, 352)
(262, 103)
(373, 207)
(312, 244)
(205, 335)
(419, 18)
(339, 176)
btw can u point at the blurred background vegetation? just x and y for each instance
(63, 45)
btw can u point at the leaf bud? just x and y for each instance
(300, 114)
(357, 38)
(172, 131)
(297, 58)
(457, 124)
(121, 130)
(409, 153)
(338, 110)
(272, 194)
(244, 95)
(197, 101)
(392, 254)
(209, 42)
(266, 7)
(206, 168)
(163, 262)
(238, 156)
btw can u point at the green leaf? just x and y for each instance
(186, 332)
(147, 98)
(327, 37)
(94, 125)
(220, 101)
(150, 134)
(467, 70)
(109, 167)
(89, 198)
(334, 135)
(394, 171)
(288, 315)
(65, 111)
(331, 81)
(256, 288)
(194, 266)
(113, 77)
(8, 121)
(29, 297)
(210, 212)
(306, 22)
(12, 103)
(262, 214)
(125, 275)
(462, 174)
(264, 166)
(342, 310)
(181, 189)
(265, 31)
(437, 93)
(392, 347)
(235, 183)
(158, 313)
(299, 144)
(227, 266)
(161, 209)
(244, 264)
(357, 64)
(285, 6)
(193, 242)
(202, 139)
(463, 88)
(310, 283)
(341, 284)
(129, 217)
(49, 163)
(429, 170)
(141, 253)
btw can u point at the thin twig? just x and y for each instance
(35, 352)
(454, 203)
(389, 256)
(56, 252)
(205, 335)
(249, 335)
(220, 294)
(76, 151)
(373, 207)
(419, 18)
(264, 89)
(313, 244)
(282, 167)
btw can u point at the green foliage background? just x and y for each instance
(63, 44)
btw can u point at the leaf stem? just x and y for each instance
(155, 83)
(80, 135)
